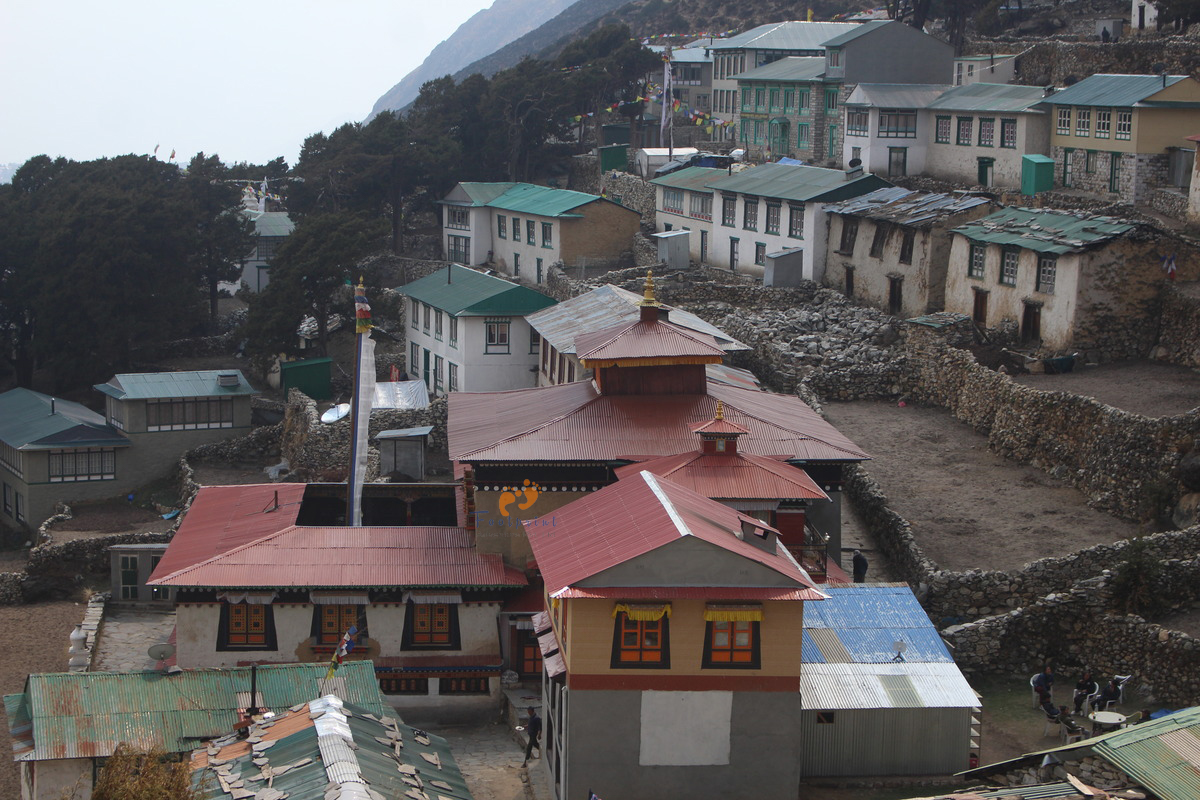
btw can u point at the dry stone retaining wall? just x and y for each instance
(1179, 335)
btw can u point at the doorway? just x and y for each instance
(849, 281)
(428, 385)
(897, 162)
(895, 294)
(979, 312)
(1066, 172)
(703, 247)
(733, 254)
(1031, 324)
(986, 171)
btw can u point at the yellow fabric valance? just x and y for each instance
(733, 614)
(642, 612)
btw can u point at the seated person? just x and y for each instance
(1043, 682)
(1108, 695)
(1086, 687)
(1049, 708)
(1064, 718)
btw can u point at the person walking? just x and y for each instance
(534, 729)
(860, 567)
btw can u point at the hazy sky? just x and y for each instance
(247, 80)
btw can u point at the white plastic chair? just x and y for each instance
(1033, 690)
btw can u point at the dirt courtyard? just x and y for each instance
(969, 507)
(1141, 387)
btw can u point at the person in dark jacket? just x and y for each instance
(1044, 682)
(1108, 695)
(1086, 687)
(860, 567)
(534, 729)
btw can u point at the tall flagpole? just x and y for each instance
(360, 406)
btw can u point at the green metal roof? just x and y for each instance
(483, 193)
(343, 746)
(1044, 231)
(1163, 755)
(798, 183)
(695, 179)
(999, 97)
(31, 420)
(166, 385)
(273, 223)
(540, 201)
(792, 35)
(895, 95)
(792, 68)
(862, 29)
(463, 292)
(87, 714)
(1122, 91)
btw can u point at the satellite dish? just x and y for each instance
(855, 163)
(899, 646)
(162, 651)
(340, 411)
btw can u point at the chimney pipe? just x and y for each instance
(52, 406)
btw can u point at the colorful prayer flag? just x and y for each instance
(362, 310)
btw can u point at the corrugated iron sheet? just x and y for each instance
(607, 306)
(790, 182)
(895, 95)
(272, 223)
(732, 376)
(904, 207)
(1112, 90)
(222, 518)
(572, 422)
(1044, 231)
(645, 340)
(87, 714)
(636, 516)
(998, 97)
(344, 557)
(791, 35)
(739, 476)
(862, 686)
(690, 593)
(158, 385)
(542, 201)
(694, 179)
(27, 424)
(866, 620)
(462, 291)
(792, 68)
(860, 29)
(1163, 755)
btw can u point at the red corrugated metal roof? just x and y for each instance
(224, 517)
(715, 426)
(634, 517)
(689, 593)
(657, 339)
(572, 422)
(344, 557)
(737, 476)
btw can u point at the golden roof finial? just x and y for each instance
(648, 290)
(720, 410)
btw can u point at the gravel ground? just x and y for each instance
(99, 519)
(1142, 387)
(969, 507)
(40, 645)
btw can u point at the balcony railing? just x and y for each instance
(813, 555)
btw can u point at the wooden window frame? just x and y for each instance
(639, 657)
(420, 623)
(331, 621)
(732, 656)
(235, 623)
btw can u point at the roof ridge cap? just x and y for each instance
(661, 495)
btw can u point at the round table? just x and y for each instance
(1107, 719)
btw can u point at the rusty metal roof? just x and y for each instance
(605, 307)
(636, 516)
(573, 422)
(905, 207)
(642, 340)
(737, 476)
(87, 714)
(349, 557)
(222, 518)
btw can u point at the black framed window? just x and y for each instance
(246, 626)
(430, 626)
(732, 645)
(641, 644)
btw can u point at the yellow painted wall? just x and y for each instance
(1156, 129)
(589, 639)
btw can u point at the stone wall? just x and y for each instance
(1170, 202)
(1091, 770)
(1179, 334)
(1072, 631)
(316, 451)
(1044, 62)
(629, 190)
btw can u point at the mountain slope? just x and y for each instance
(483, 33)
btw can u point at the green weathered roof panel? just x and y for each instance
(87, 714)
(1163, 755)
(483, 193)
(1056, 232)
(695, 179)
(798, 183)
(998, 97)
(792, 68)
(273, 223)
(1122, 91)
(175, 385)
(463, 292)
(31, 420)
(792, 35)
(542, 201)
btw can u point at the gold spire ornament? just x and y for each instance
(648, 291)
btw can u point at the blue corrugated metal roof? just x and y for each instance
(868, 620)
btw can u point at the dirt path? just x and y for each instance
(969, 507)
(40, 641)
(1142, 387)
